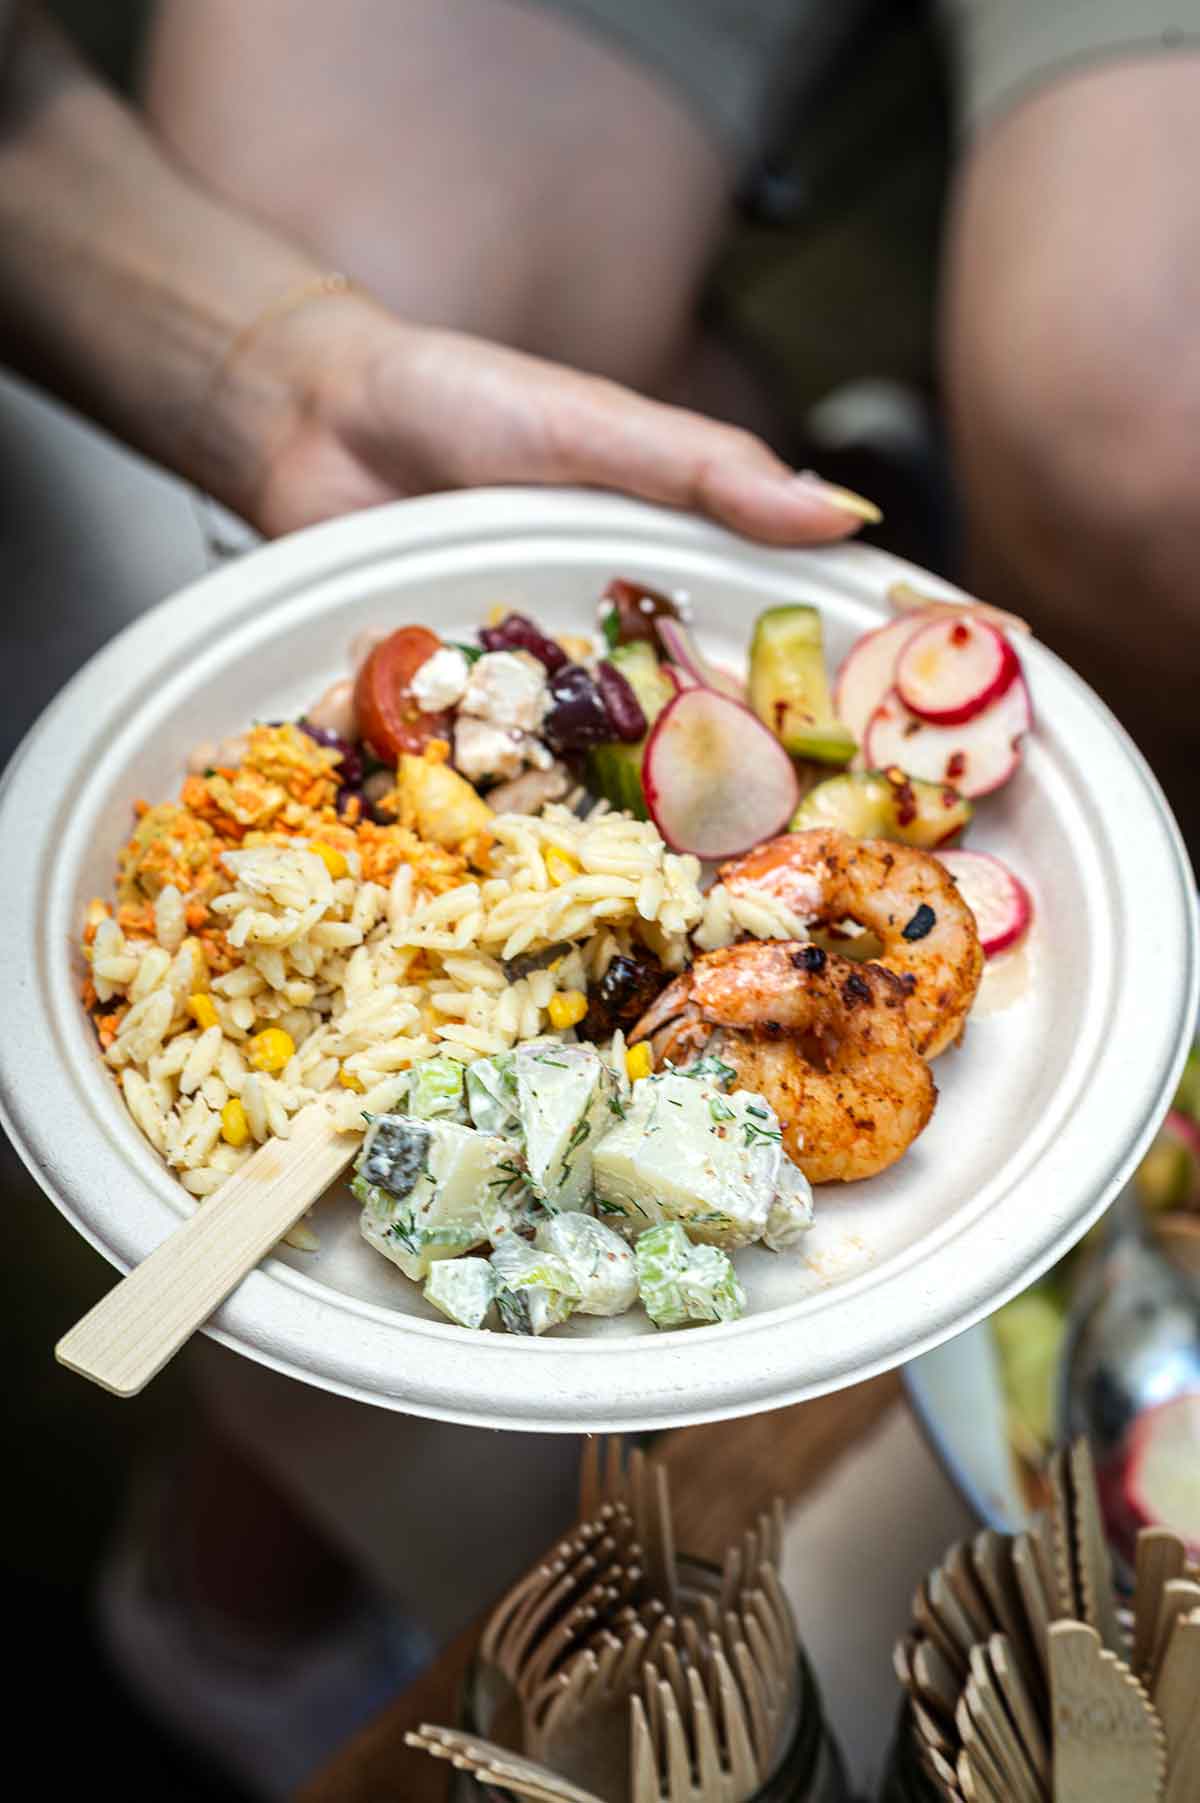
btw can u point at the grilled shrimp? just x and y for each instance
(903, 896)
(826, 1041)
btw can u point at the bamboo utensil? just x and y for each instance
(640, 1485)
(496, 1765)
(1024, 1684)
(141, 1323)
(612, 1657)
(1109, 1745)
(679, 1731)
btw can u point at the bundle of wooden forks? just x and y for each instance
(1026, 1682)
(618, 1672)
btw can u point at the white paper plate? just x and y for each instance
(1042, 1114)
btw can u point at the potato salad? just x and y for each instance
(539, 1184)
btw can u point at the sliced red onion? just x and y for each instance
(681, 649)
(349, 756)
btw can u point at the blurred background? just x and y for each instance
(826, 287)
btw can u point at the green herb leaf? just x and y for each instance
(610, 626)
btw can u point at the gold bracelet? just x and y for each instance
(332, 281)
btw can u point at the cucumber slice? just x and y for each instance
(614, 771)
(789, 689)
(885, 804)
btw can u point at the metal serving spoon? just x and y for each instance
(1132, 1341)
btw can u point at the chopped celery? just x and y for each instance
(535, 1289)
(598, 1259)
(436, 1090)
(680, 1282)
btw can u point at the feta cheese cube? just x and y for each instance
(482, 749)
(508, 688)
(441, 680)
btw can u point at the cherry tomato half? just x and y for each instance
(388, 716)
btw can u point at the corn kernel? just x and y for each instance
(638, 1062)
(567, 1009)
(348, 1080)
(271, 1049)
(201, 1009)
(333, 860)
(235, 1128)
(561, 866)
(496, 614)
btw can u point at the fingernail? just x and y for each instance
(844, 499)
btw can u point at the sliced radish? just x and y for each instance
(976, 757)
(716, 780)
(1169, 1175)
(999, 900)
(681, 649)
(869, 671)
(678, 678)
(1162, 1472)
(951, 669)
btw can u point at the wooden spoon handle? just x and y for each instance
(130, 1334)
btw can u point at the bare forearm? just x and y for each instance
(122, 283)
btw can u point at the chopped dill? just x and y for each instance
(758, 1136)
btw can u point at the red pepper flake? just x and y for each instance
(955, 766)
(959, 634)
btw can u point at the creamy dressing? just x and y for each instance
(1006, 979)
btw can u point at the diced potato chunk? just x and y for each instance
(686, 1152)
(463, 1288)
(565, 1099)
(432, 1189)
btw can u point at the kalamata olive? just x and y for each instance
(518, 633)
(628, 611)
(624, 992)
(624, 708)
(349, 756)
(576, 717)
(335, 710)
